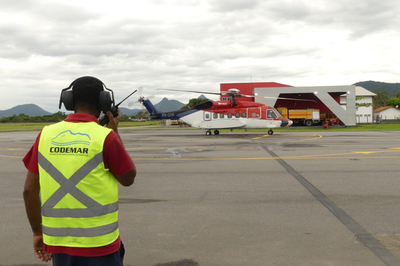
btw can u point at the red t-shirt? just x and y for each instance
(115, 158)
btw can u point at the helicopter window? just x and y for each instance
(221, 115)
(237, 115)
(229, 115)
(207, 116)
(271, 114)
(279, 114)
(215, 115)
(244, 115)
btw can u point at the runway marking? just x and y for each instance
(362, 234)
(365, 152)
(9, 156)
(263, 136)
(347, 155)
(259, 158)
(317, 136)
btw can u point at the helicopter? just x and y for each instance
(224, 114)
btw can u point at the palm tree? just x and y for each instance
(380, 99)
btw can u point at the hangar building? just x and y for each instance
(326, 98)
(364, 105)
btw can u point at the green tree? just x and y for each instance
(194, 102)
(394, 101)
(124, 118)
(380, 99)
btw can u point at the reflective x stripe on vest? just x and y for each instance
(69, 186)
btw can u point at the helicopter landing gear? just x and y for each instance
(270, 132)
(208, 132)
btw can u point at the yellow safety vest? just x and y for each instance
(79, 196)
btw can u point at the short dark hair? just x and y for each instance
(86, 91)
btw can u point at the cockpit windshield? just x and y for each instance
(273, 114)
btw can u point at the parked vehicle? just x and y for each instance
(306, 117)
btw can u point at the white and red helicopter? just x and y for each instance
(230, 114)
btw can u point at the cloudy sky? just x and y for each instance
(192, 45)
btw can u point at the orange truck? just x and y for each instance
(306, 117)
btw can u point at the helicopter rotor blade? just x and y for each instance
(141, 98)
(279, 98)
(205, 92)
(241, 95)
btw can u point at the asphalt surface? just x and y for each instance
(320, 198)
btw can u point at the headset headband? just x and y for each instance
(67, 99)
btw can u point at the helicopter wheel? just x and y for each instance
(208, 133)
(270, 132)
(216, 132)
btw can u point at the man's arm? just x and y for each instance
(128, 178)
(33, 210)
(113, 122)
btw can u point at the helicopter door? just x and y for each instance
(254, 112)
(207, 116)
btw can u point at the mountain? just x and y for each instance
(168, 105)
(27, 109)
(33, 110)
(202, 97)
(391, 88)
(129, 112)
(164, 105)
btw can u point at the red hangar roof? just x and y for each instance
(247, 88)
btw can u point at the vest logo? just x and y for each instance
(68, 138)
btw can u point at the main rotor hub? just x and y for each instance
(234, 91)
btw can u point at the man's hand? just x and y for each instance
(113, 121)
(32, 206)
(38, 248)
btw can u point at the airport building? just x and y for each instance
(386, 113)
(334, 103)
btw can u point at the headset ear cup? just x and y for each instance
(105, 101)
(68, 100)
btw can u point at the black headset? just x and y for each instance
(106, 98)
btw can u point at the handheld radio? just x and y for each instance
(114, 110)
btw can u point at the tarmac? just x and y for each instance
(239, 198)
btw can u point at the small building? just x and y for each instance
(386, 113)
(364, 105)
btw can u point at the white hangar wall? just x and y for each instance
(346, 113)
(364, 105)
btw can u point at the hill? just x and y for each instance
(32, 110)
(391, 88)
(164, 105)
(168, 105)
(27, 109)
(129, 112)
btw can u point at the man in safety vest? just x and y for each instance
(71, 190)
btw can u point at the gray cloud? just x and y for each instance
(47, 44)
(232, 5)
